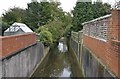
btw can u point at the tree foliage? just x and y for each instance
(37, 14)
(46, 37)
(58, 22)
(85, 11)
(13, 15)
(56, 28)
(3, 27)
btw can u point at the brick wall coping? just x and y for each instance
(3, 37)
(116, 41)
(100, 39)
(100, 18)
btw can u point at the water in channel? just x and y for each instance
(60, 62)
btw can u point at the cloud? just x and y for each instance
(68, 5)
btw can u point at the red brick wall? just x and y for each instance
(114, 26)
(102, 51)
(108, 52)
(11, 44)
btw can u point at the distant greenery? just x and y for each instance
(86, 11)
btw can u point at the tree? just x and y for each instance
(58, 22)
(81, 13)
(100, 9)
(86, 11)
(55, 28)
(37, 14)
(3, 27)
(13, 15)
(46, 37)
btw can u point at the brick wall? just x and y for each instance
(114, 26)
(114, 36)
(102, 51)
(108, 52)
(11, 44)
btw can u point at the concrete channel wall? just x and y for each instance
(23, 63)
(23, 58)
(91, 65)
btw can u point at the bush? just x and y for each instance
(41, 28)
(55, 28)
(46, 37)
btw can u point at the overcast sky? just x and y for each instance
(67, 5)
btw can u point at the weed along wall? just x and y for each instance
(99, 46)
(20, 55)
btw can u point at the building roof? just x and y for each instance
(16, 26)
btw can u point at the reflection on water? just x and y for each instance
(66, 73)
(58, 65)
(62, 47)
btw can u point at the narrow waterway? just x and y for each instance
(59, 64)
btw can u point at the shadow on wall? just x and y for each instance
(90, 64)
(92, 67)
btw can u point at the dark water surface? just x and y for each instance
(59, 64)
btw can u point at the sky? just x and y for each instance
(67, 5)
